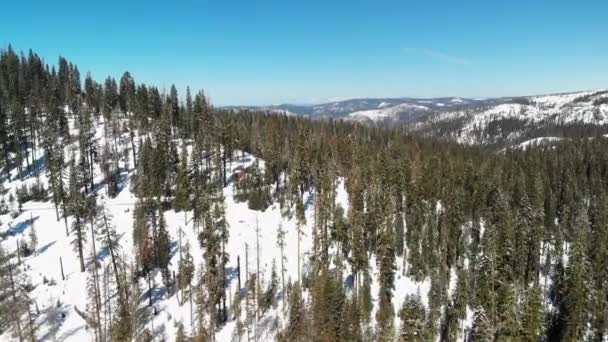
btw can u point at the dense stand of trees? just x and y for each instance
(525, 233)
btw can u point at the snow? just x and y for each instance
(559, 100)
(539, 141)
(283, 112)
(386, 113)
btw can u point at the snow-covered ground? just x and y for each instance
(57, 299)
(539, 141)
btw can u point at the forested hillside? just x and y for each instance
(133, 214)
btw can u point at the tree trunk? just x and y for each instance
(79, 238)
(283, 277)
(149, 290)
(91, 168)
(61, 265)
(299, 272)
(191, 311)
(132, 135)
(257, 278)
(15, 301)
(97, 291)
(119, 284)
(238, 270)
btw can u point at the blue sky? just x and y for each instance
(266, 52)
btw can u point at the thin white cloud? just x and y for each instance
(440, 56)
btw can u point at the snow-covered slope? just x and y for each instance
(513, 117)
(57, 300)
(539, 141)
(385, 113)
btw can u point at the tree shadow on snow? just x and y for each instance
(240, 159)
(157, 294)
(46, 247)
(39, 164)
(173, 248)
(65, 336)
(21, 226)
(308, 202)
(267, 327)
(349, 282)
(54, 317)
(231, 275)
(104, 252)
(120, 185)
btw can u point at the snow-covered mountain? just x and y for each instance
(502, 120)
(373, 110)
(516, 119)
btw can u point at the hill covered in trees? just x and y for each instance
(129, 214)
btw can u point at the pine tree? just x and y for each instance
(110, 243)
(269, 297)
(532, 316)
(386, 256)
(93, 312)
(55, 162)
(185, 272)
(180, 335)
(33, 235)
(281, 244)
(576, 285)
(351, 330)
(413, 319)
(509, 326)
(163, 247)
(482, 329)
(598, 255)
(182, 190)
(296, 324)
(237, 312)
(124, 321)
(77, 207)
(14, 301)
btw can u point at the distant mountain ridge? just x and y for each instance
(354, 108)
(515, 120)
(501, 121)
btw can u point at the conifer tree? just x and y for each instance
(281, 244)
(180, 335)
(532, 316)
(296, 326)
(185, 273)
(482, 329)
(163, 247)
(110, 243)
(576, 285)
(182, 191)
(413, 319)
(33, 235)
(77, 207)
(14, 301)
